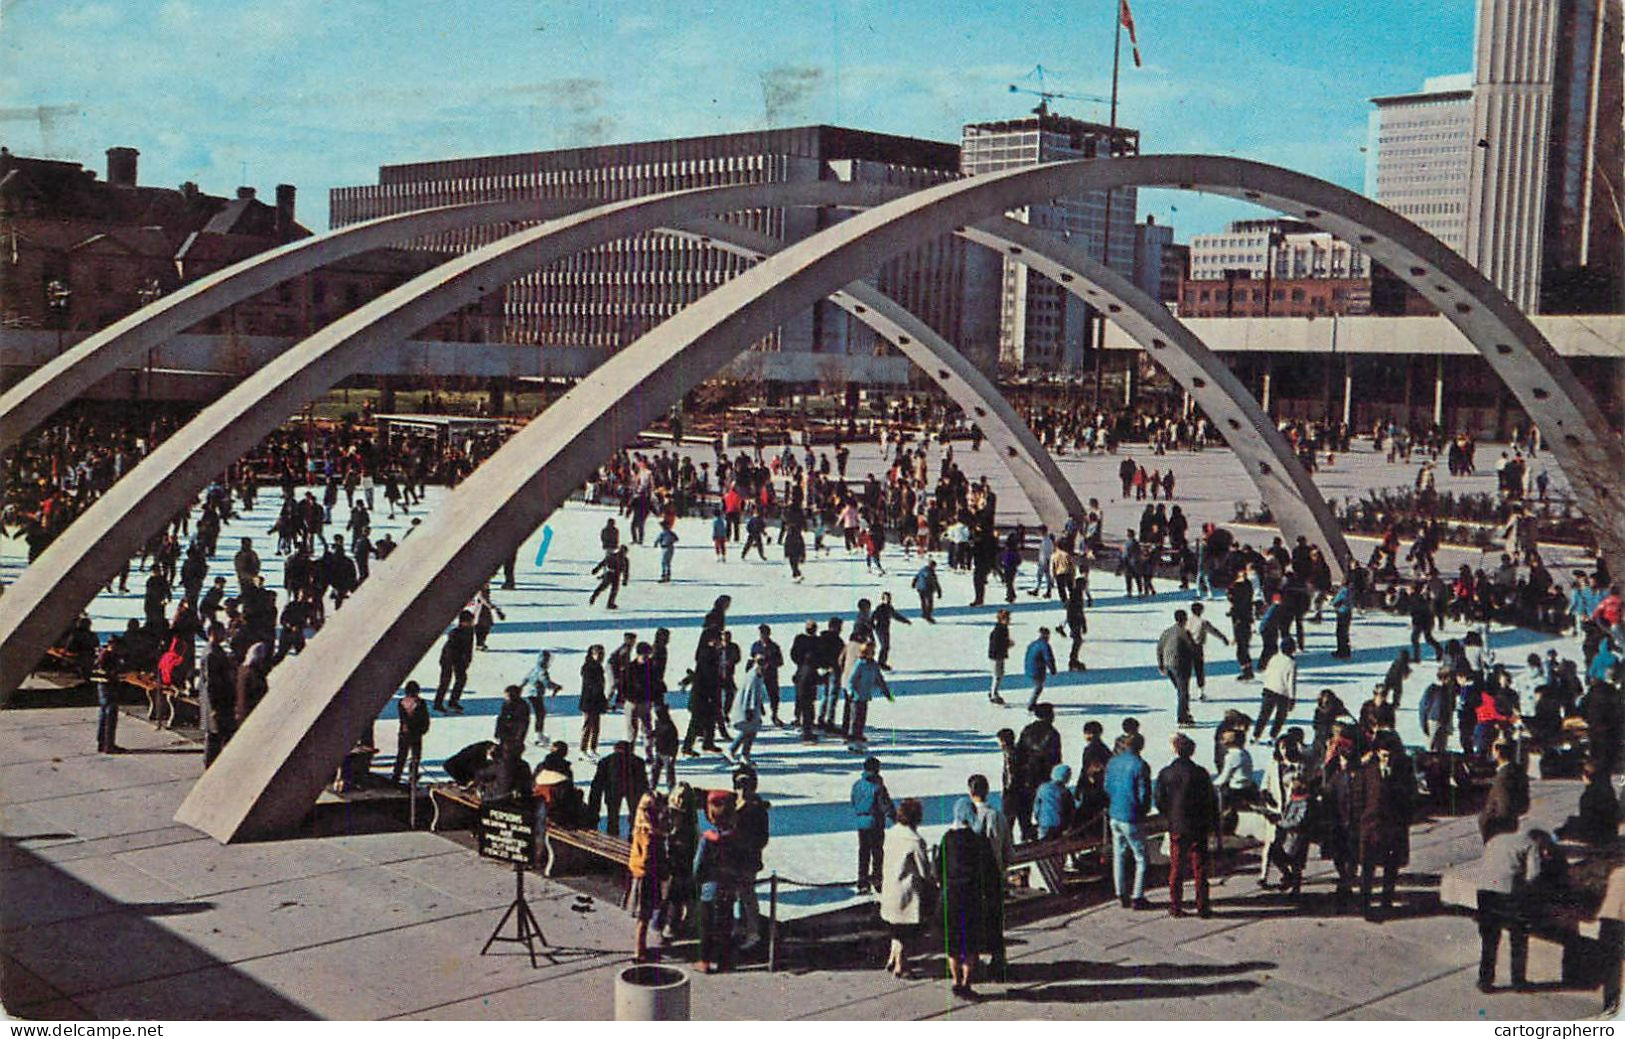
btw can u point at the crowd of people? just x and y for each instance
(1348, 788)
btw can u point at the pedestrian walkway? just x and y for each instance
(112, 911)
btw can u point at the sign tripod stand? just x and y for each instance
(507, 834)
(529, 932)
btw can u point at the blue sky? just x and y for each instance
(319, 94)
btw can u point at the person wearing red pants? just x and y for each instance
(1184, 795)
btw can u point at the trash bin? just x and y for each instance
(651, 993)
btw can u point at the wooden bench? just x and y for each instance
(57, 658)
(616, 850)
(147, 682)
(451, 796)
(174, 699)
(1049, 857)
(357, 763)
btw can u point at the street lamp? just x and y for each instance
(57, 298)
(1276, 239)
(149, 291)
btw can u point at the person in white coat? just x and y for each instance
(906, 885)
(746, 715)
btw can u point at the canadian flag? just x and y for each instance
(1126, 18)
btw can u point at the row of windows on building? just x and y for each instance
(1295, 295)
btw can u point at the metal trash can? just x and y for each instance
(649, 992)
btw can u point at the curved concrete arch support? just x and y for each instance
(37, 396)
(1052, 497)
(1269, 461)
(269, 776)
(62, 581)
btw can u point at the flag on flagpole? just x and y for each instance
(1126, 17)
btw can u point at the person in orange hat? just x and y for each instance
(714, 876)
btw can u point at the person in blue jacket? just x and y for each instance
(1436, 709)
(1128, 802)
(926, 584)
(865, 682)
(666, 541)
(1343, 614)
(1053, 806)
(719, 535)
(1269, 629)
(1040, 665)
(871, 809)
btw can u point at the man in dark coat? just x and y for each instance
(216, 695)
(455, 656)
(804, 655)
(339, 571)
(1240, 596)
(1038, 751)
(705, 696)
(621, 777)
(1508, 798)
(1176, 658)
(465, 765)
(1185, 797)
(513, 720)
(1383, 792)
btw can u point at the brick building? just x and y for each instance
(77, 253)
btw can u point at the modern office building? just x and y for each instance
(1519, 165)
(1545, 189)
(609, 296)
(1419, 154)
(1041, 326)
(1159, 264)
(1293, 248)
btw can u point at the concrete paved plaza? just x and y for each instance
(111, 910)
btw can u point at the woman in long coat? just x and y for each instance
(905, 887)
(970, 886)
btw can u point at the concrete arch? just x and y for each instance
(50, 592)
(1283, 483)
(1031, 466)
(36, 397)
(269, 776)
(44, 607)
(42, 392)
(1285, 486)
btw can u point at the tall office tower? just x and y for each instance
(1159, 264)
(1041, 325)
(1419, 153)
(609, 296)
(1584, 252)
(1544, 188)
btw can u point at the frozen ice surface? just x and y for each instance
(940, 729)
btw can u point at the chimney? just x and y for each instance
(284, 209)
(121, 167)
(245, 193)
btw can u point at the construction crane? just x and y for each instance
(46, 116)
(1045, 95)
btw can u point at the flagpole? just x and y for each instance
(1106, 236)
(1117, 57)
